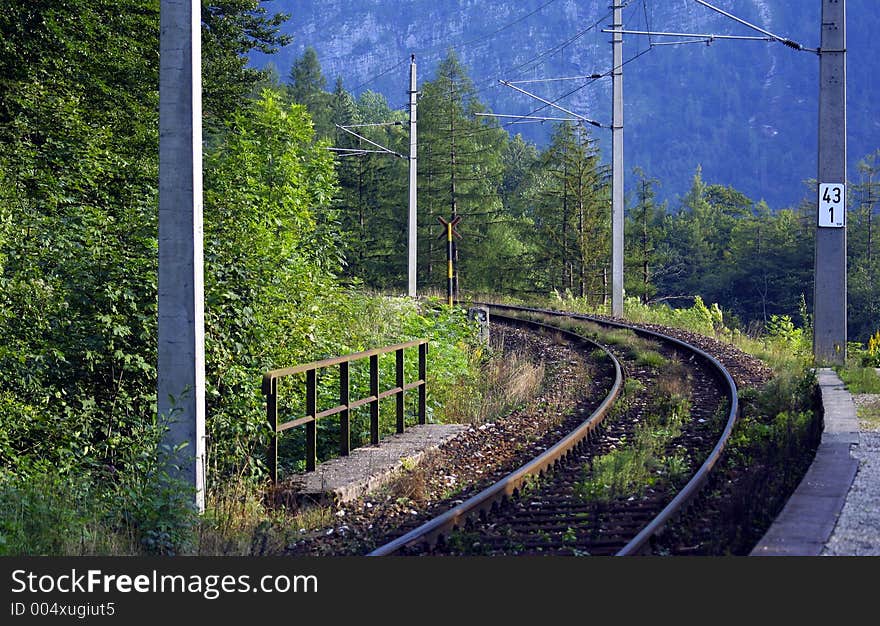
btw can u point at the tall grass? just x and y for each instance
(502, 383)
(859, 379)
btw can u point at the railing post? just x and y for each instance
(344, 408)
(311, 427)
(272, 417)
(374, 405)
(423, 371)
(398, 366)
(345, 415)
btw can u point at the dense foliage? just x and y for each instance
(81, 453)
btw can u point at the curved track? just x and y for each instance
(484, 501)
(627, 531)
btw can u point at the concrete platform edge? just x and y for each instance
(808, 518)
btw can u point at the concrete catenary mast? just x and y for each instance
(181, 332)
(829, 296)
(617, 164)
(413, 182)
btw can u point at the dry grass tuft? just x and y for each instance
(505, 382)
(673, 381)
(238, 522)
(411, 483)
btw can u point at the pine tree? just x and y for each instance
(230, 30)
(460, 172)
(306, 85)
(571, 214)
(373, 188)
(644, 251)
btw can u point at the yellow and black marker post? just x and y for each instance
(450, 231)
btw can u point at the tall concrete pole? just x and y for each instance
(181, 365)
(413, 181)
(829, 318)
(617, 166)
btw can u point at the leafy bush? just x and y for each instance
(47, 509)
(781, 329)
(362, 322)
(78, 311)
(871, 355)
(699, 318)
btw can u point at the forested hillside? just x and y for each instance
(536, 221)
(746, 111)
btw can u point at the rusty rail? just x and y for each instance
(346, 403)
(640, 544)
(483, 502)
(431, 531)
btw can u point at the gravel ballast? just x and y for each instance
(857, 532)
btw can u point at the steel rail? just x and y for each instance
(640, 542)
(484, 500)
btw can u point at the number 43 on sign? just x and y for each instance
(832, 205)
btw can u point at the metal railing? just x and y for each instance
(346, 403)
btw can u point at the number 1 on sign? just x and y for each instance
(832, 205)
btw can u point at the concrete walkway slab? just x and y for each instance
(808, 518)
(369, 467)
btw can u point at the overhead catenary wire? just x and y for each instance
(344, 152)
(708, 38)
(558, 47)
(571, 92)
(491, 82)
(536, 119)
(550, 80)
(695, 35)
(588, 83)
(706, 41)
(382, 148)
(552, 104)
(788, 42)
(532, 63)
(543, 107)
(647, 21)
(396, 123)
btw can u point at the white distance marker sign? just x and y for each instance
(832, 205)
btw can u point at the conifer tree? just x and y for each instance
(644, 247)
(571, 216)
(460, 174)
(306, 85)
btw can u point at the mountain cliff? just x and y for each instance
(745, 111)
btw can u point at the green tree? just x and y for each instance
(460, 173)
(571, 215)
(306, 85)
(79, 161)
(862, 260)
(372, 198)
(519, 159)
(268, 263)
(230, 30)
(769, 264)
(644, 243)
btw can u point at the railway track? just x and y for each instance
(558, 503)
